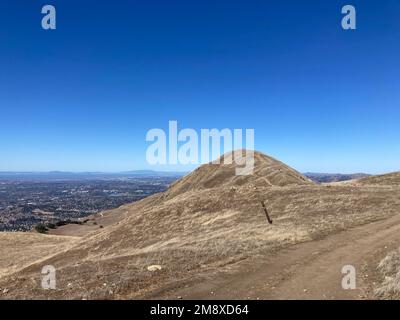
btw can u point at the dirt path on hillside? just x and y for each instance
(309, 270)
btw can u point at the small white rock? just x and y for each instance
(154, 267)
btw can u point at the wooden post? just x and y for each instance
(266, 212)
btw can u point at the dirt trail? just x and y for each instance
(309, 270)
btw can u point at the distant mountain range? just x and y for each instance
(334, 177)
(65, 175)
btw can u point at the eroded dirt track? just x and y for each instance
(310, 270)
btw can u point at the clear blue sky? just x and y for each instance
(82, 97)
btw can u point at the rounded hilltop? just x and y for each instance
(267, 172)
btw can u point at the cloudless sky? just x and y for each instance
(82, 97)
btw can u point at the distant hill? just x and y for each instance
(267, 172)
(392, 179)
(334, 177)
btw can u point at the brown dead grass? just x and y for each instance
(389, 269)
(19, 249)
(198, 228)
(392, 179)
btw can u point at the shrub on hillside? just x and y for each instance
(40, 228)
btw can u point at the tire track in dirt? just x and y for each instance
(310, 270)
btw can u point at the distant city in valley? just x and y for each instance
(28, 199)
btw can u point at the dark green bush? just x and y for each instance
(51, 225)
(40, 228)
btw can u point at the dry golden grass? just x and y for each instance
(19, 249)
(384, 179)
(389, 269)
(201, 226)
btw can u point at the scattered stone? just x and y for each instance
(154, 267)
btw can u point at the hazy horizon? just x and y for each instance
(136, 171)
